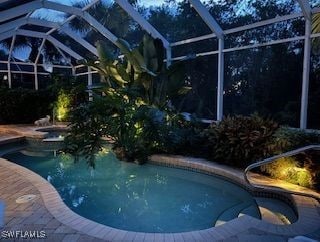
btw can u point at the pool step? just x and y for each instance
(251, 210)
(11, 149)
(232, 212)
(272, 217)
(275, 211)
(53, 139)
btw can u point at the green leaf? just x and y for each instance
(184, 90)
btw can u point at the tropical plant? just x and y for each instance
(143, 71)
(316, 29)
(136, 130)
(110, 15)
(316, 23)
(133, 107)
(21, 43)
(239, 140)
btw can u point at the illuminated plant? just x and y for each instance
(62, 106)
(289, 169)
(133, 104)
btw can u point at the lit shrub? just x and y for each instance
(290, 170)
(63, 106)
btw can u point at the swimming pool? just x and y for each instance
(146, 198)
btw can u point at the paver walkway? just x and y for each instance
(33, 215)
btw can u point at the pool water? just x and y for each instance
(145, 198)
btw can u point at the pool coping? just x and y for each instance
(307, 208)
(29, 131)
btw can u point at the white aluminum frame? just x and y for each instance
(35, 67)
(126, 6)
(11, 29)
(9, 60)
(306, 9)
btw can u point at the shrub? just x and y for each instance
(291, 170)
(240, 140)
(185, 138)
(295, 138)
(63, 105)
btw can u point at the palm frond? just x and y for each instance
(316, 29)
(316, 23)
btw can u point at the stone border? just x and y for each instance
(12, 140)
(52, 129)
(308, 219)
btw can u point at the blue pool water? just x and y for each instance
(145, 198)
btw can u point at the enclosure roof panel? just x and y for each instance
(15, 15)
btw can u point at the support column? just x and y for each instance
(220, 80)
(9, 75)
(73, 71)
(35, 66)
(9, 60)
(305, 75)
(169, 55)
(90, 84)
(36, 83)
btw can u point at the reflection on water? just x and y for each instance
(128, 196)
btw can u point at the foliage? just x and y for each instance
(240, 140)
(62, 106)
(316, 29)
(295, 138)
(133, 106)
(23, 105)
(86, 132)
(69, 93)
(135, 129)
(143, 71)
(291, 170)
(23, 42)
(185, 137)
(110, 15)
(307, 164)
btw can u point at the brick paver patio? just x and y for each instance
(33, 215)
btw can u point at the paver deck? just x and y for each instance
(31, 216)
(48, 212)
